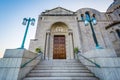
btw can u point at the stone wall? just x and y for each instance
(114, 38)
(106, 58)
(82, 35)
(10, 64)
(45, 25)
(86, 36)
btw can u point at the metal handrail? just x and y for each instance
(97, 65)
(22, 66)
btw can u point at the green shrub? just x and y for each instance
(38, 50)
(76, 50)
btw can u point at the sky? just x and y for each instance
(12, 13)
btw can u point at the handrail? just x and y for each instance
(97, 65)
(22, 66)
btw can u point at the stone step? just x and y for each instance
(60, 78)
(60, 65)
(60, 71)
(64, 63)
(59, 74)
(59, 68)
(59, 61)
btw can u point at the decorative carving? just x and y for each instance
(59, 29)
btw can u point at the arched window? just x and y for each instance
(109, 16)
(87, 12)
(76, 18)
(118, 32)
(87, 15)
(41, 18)
(94, 15)
(82, 17)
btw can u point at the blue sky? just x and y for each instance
(12, 13)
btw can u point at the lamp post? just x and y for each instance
(89, 20)
(26, 22)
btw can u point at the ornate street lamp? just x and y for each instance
(27, 22)
(89, 20)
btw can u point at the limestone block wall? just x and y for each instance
(82, 34)
(44, 25)
(106, 58)
(114, 38)
(34, 43)
(87, 41)
(112, 32)
(10, 64)
(116, 45)
(115, 15)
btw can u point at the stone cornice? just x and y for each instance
(58, 14)
(59, 11)
(59, 7)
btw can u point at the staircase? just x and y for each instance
(60, 70)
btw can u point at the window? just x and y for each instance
(118, 32)
(86, 12)
(76, 18)
(87, 15)
(41, 18)
(82, 17)
(94, 15)
(110, 18)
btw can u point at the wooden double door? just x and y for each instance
(59, 51)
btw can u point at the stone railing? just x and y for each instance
(106, 58)
(10, 64)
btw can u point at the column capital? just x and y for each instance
(48, 32)
(70, 33)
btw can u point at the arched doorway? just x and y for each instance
(59, 30)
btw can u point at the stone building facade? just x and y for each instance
(59, 31)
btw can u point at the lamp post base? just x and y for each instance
(99, 47)
(20, 48)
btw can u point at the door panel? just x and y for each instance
(59, 51)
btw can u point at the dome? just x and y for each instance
(113, 6)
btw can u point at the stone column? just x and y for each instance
(47, 45)
(71, 45)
